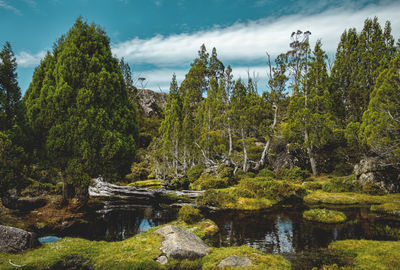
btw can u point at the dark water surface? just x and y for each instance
(281, 231)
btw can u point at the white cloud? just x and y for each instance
(5, 5)
(25, 59)
(249, 41)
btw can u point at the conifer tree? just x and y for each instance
(78, 104)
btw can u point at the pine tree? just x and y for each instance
(78, 104)
(380, 128)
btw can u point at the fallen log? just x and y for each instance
(103, 190)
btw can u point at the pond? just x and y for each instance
(280, 231)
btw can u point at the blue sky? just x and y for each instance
(161, 37)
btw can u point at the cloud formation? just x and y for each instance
(249, 41)
(6, 6)
(25, 59)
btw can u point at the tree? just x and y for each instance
(78, 103)
(380, 128)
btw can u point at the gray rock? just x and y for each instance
(162, 260)
(180, 244)
(371, 171)
(152, 102)
(15, 240)
(235, 261)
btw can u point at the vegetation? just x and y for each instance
(189, 214)
(324, 216)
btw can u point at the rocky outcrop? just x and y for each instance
(151, 102)
(371, 171)
(15, 240)
(180, 244)
(235, 261)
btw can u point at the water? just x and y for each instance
(48, 239)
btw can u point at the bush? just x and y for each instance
(215, 198)
(269, 188)
(194, 172)
(266, 173)
(240, 174)
(138, 172)
(294, 174)
(342, 184)
(312, 185)
(208, 181)
(372, 189)
(189, 214)
(180, 183)
(225, 171)
(324, 216)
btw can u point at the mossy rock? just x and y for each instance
(189, 214)
(369, 254)
(311, 185)
(348, 198)
(390, 208)
(324, 216)
(259, 260)
(150, 183)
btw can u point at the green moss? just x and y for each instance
(151, 183)
(389, 208)
(208, 181)
(251, 204)
(259, 259)
(342, 184)
(324, 216)
(348, 198)
(189, 214)
(215, 198)
(266, 173)
(311, 185)
(370, 254)
(293, 174)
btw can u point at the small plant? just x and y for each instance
(324, 216)
(342, 184)
(215, 198)
(189, 214)
(294, 174)
(208, 181)
(266, 173)
(312, 185)
(194, 172)
(225, 171)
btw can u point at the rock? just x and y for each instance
(180, 244)
(162, 260)
(371, 171)
(235, 261)
(15, 240)
(152, 102)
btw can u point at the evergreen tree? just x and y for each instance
(380, 128)
(78, 104)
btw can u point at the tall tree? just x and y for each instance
(78, 103)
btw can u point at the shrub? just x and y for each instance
(137, 173)
(180, 183)
(293, 174)
(342, 184)
(324, 216)
(312, 185)
(208, 181)
(240, 174)
(189, 214)
(224, 171)
(215, 198)
(266, 173)
(372, 189)
(194, 172)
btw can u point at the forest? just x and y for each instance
(321, 144)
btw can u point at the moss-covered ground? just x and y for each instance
(369, 254)
(138, 252)
(324, 216)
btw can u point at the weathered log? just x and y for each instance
(144, 196)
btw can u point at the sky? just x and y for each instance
(161, 37)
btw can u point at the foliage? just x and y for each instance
(347, 198)
(215, 198)
(293, 174)
(266, 173)
(194, 172)
(389, 208)
(150, 183)
(342, 184)
(324, 216)
(224, 171)
(208, 181)
(369, 254)
(312, 185)
(189, 214)
(78, 107)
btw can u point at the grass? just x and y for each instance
(370, 254)
(389, 208)
(348, 198)
(259, 259)
(138, 252)
(150, 183)
(324, 216)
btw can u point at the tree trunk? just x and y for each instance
(176, 152)
(268, 144)
(67, 190)
(244, 150)
(230, 138)
(310, 154)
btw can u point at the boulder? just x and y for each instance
(372, 171)
(15, 240)
(235, 261)
(180, 244)
(162, 260)
(151, 102)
